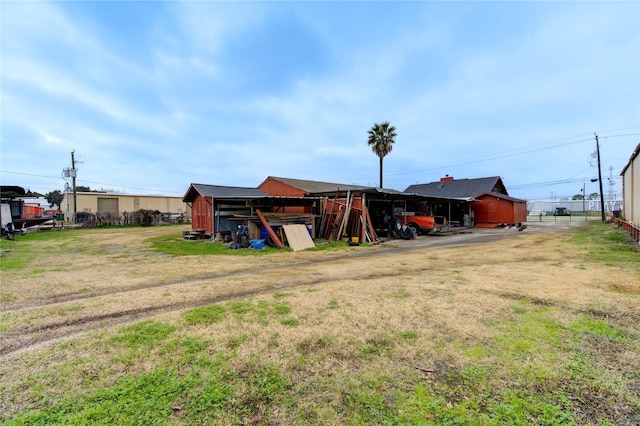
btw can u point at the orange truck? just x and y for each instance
(421, 223)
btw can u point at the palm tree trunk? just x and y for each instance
(381, 172)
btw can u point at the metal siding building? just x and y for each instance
(631, 189)
(492, 209)
(117, 204)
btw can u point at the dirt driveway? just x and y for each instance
(112, 277)
(458, 237)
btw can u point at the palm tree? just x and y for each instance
(381, 140)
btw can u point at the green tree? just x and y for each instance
(54, 198)
(593, 196)
(578, 197)
(381, 140)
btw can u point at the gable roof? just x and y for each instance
(460, 188)
(218, 191)
(316, 187)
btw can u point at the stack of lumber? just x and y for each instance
(341, 220)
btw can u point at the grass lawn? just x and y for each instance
(538, 329)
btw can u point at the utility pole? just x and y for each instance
(604, 219)
(73, 176)
(71, 173)
(584, 210)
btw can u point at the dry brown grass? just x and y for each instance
(129, 277)
(431, 308)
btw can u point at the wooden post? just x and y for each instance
(364, 223)
(272, 234)
(345, 222)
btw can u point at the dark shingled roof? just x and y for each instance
(226, 192)
(460, 188)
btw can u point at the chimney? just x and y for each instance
(446, 178)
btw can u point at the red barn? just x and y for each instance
(483, 202)
(212, 206)
(492, 209)
(279, 186)
(220, 209)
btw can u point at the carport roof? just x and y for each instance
(252, 196)
(222, 192)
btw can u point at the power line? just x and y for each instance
(545, 184)
(89, 181)
(29, 174)
(542, 147)
(131, 187)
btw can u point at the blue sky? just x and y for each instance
(153, 96)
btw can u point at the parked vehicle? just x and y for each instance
(562, 211)
(421, 224)
(537, 213)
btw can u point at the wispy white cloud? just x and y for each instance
(229, 93)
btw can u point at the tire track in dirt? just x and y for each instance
(29, 338)
(18, 341)
(428, 242)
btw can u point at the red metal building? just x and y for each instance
(491, 210)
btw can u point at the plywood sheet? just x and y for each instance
(298, 237)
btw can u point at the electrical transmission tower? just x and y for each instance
(612, 184)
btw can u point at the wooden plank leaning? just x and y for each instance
(363, 221)
(272, 234)
(370, 225)
(342, 229)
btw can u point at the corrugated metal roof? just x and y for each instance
(460, 188)
(218, 191)
(633, 157)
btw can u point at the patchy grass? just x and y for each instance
(515, 334)
(207, 315)
(608, 244)
(177, 246)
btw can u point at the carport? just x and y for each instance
(217, 209)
